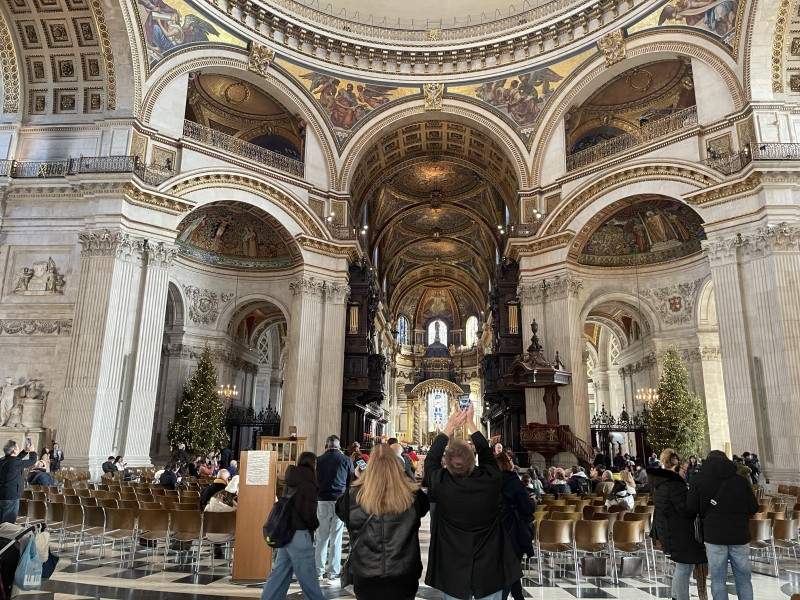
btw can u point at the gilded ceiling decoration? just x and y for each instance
(66, 54)
(237, 235)
(425, 220)
(437, 303)
(643, 230)
(170, 25)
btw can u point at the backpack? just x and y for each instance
(278, 530)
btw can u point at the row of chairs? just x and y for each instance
(102, 526)
(767, 536)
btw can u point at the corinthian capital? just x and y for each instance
(336, 292)
(160, 254)
(531, 293)
(307, 286)
(564, 286)
(105, 242)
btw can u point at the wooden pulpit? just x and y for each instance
(258, 475)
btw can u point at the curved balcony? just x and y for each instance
(233, 145)
(659, 128)
(728, 164)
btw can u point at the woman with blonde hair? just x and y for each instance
(382, 511)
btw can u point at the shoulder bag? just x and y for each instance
(346, 578)
(699, 536)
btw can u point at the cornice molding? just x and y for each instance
(154, 200)
(347, 250)
(782, 237)
(726, 191)
(518, 248)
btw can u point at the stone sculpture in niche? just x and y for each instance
(22, 405)
(40, 279)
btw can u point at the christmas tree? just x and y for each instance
(200, 419)
(677, 417)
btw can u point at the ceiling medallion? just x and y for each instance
(236, 93)
(640, 80)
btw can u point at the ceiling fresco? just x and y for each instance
(169, 25)
(720, 18)
(522, 97)
(346, 102)
(232, 234)
(649, 230)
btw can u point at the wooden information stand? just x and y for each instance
(252, 558)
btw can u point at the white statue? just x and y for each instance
(8, 398)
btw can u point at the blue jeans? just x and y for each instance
(329, 540)
(680, 581)
(498, 595)
(739, 557)
(297, 558)
(9, 510)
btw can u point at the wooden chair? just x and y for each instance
(185, 526)
(55, 518)
(22, 513)
(565, 516)
(217, 528)
(121, 527)
(761, 541)
(555, 538)
(72, 523)
(107, 502)
(150, 505)
(94, 528)
(591, 538)
(131, 504)
(153, 527)
(37, 512)
(628, 537)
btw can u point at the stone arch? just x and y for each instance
(640, 48)
(707, 306)
(234, 62)
(176, 314)
(637, 306)
(679, 177)
(763, 51)
(207, 185)
(413, 111)
(232, 315)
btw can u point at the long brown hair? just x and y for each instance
(384, 488)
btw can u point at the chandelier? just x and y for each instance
(646, 395)
(227, 392)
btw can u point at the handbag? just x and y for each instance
(699, 536)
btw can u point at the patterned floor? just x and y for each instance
(147, 581)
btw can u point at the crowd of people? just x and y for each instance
(482, 507)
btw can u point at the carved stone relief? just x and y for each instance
(35, 326)
(260, 59)
(433, 95)
(22, 403)
(612, 45)
(675, 303)
(204, 304)
(42, 278)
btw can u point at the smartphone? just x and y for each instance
(463, 401)
(361, 464)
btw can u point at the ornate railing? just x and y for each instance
(729, 164)
(34, 169)
(228, 143)
(682, 119)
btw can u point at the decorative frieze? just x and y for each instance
(204, 304)
(675, 303)
(35, 327)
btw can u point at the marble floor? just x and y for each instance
(146, 579)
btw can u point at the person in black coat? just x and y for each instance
(382, 510)
(169, 478)
(518, 511)
(108, 466)
(38, 475)
(12, 465)
(725, 500)
(56, 457)
(225, 456)
(297, 557)
(180, 455)
(470, 555)
(673, 527)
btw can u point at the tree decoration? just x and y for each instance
(200, 418)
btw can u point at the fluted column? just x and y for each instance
(106, 304)
(138, 422)
(329, 416)
(305, 347)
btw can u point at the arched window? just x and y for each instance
(437, 332)
(472, 331)
(403, 334)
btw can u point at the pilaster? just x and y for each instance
(329, 415)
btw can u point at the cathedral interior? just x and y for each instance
(366, 212)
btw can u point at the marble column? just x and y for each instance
(555, 304)
(302, 396)
(329, 415)
(138, 424)
(755, 273)
(105, 312)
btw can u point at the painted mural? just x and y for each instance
(718, 17)
(650, 231)
(522, 97)
(228, 234)
(172, 24)
(345, 101)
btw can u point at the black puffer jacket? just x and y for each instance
(672, 525)
(304, 502)
(389, 545)
(727, 523)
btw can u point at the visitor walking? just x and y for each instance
(673, 528)
(56, 458)
(12, 465)
(725, 501)
(517, 518)
(297, 557)
(470, 556)
(334, 470)
(382, 511)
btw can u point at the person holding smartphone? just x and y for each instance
(12, 465)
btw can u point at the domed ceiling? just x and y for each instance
(641, 230)
(237, 235)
